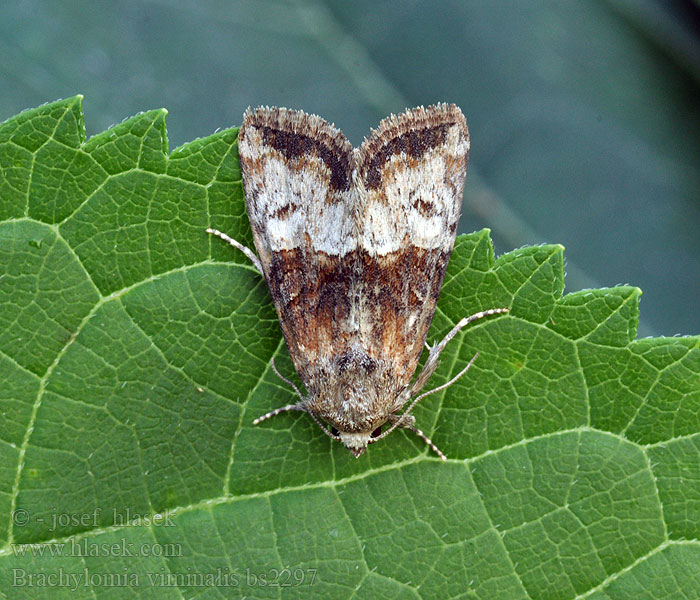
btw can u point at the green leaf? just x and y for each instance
(136, 351)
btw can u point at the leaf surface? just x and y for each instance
(135, 351)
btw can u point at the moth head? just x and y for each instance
(357, 442)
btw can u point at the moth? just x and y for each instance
(353, 244)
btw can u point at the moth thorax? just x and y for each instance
(358, 393)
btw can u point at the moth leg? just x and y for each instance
(408, 423)
(406, 418)
(426, 439)
(429, 368)
(287, 381)
(301, 405)
(247, 251)
(432, 362)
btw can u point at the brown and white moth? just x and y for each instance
(353, 244)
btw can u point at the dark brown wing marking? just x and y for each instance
(297, 173)
(409, 180)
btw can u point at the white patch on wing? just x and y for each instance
(380, 228)
(391, 219)
(328, 224)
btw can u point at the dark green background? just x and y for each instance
(584, 116)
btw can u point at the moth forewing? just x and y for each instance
(353, 245)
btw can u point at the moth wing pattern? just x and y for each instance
(354, 245)
(297, 172)
(409, 179)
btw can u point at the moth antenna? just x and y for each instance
(432, 362)
(426, 439)
(277, 411)
(439, 388)
(464, 322)
(283, 378)
(247, 251)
